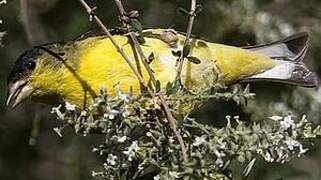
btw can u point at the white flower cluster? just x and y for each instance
(120, 95)
(120, 139)
(70, 107)
(199, 140)
(173, 175)
(132, 150)
(217, 149)
(135, 132)
(276, 141)
(112, 108)
(111, 159)
(111, 111)
(284, 143)
(57, 111)
(157, 177)
(285, 122)
(96, 174)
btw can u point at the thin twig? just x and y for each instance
(170, 117)
(168, 113)
(187, 37)
(143, 58)
(119, 49)
(120, 8)
(122, 14)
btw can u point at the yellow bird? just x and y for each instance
(75, 71)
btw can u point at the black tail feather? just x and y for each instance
(288, 55)
(292, 48)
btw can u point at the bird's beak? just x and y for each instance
(18, 92)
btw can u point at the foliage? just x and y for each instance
(139, 142)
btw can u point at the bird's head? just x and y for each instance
(35, 75)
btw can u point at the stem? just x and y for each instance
(187, 37)
(143, 58)
(168, 113)
(120, 7)
(123, 13)
(172, 121)
(119, 49)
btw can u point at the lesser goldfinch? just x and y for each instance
(75, 71)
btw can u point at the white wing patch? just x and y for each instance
(282, 70)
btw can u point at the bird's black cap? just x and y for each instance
(24, 64)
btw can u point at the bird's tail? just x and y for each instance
(288, 55)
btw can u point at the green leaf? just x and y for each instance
(168, 86)
(141, 40)
(198, 9)
(194, 60)
(172, 88)
(136, 25)
(183, 11)
(177, 53)
(150, 58)
(186, 50)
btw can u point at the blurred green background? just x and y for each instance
(27, 154)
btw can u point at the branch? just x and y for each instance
(170, 117)
(186, 42)
(172, 121)
(92, 15)
(122, 16)
(125, 17)
(168, 113)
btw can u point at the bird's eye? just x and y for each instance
(31, 65)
